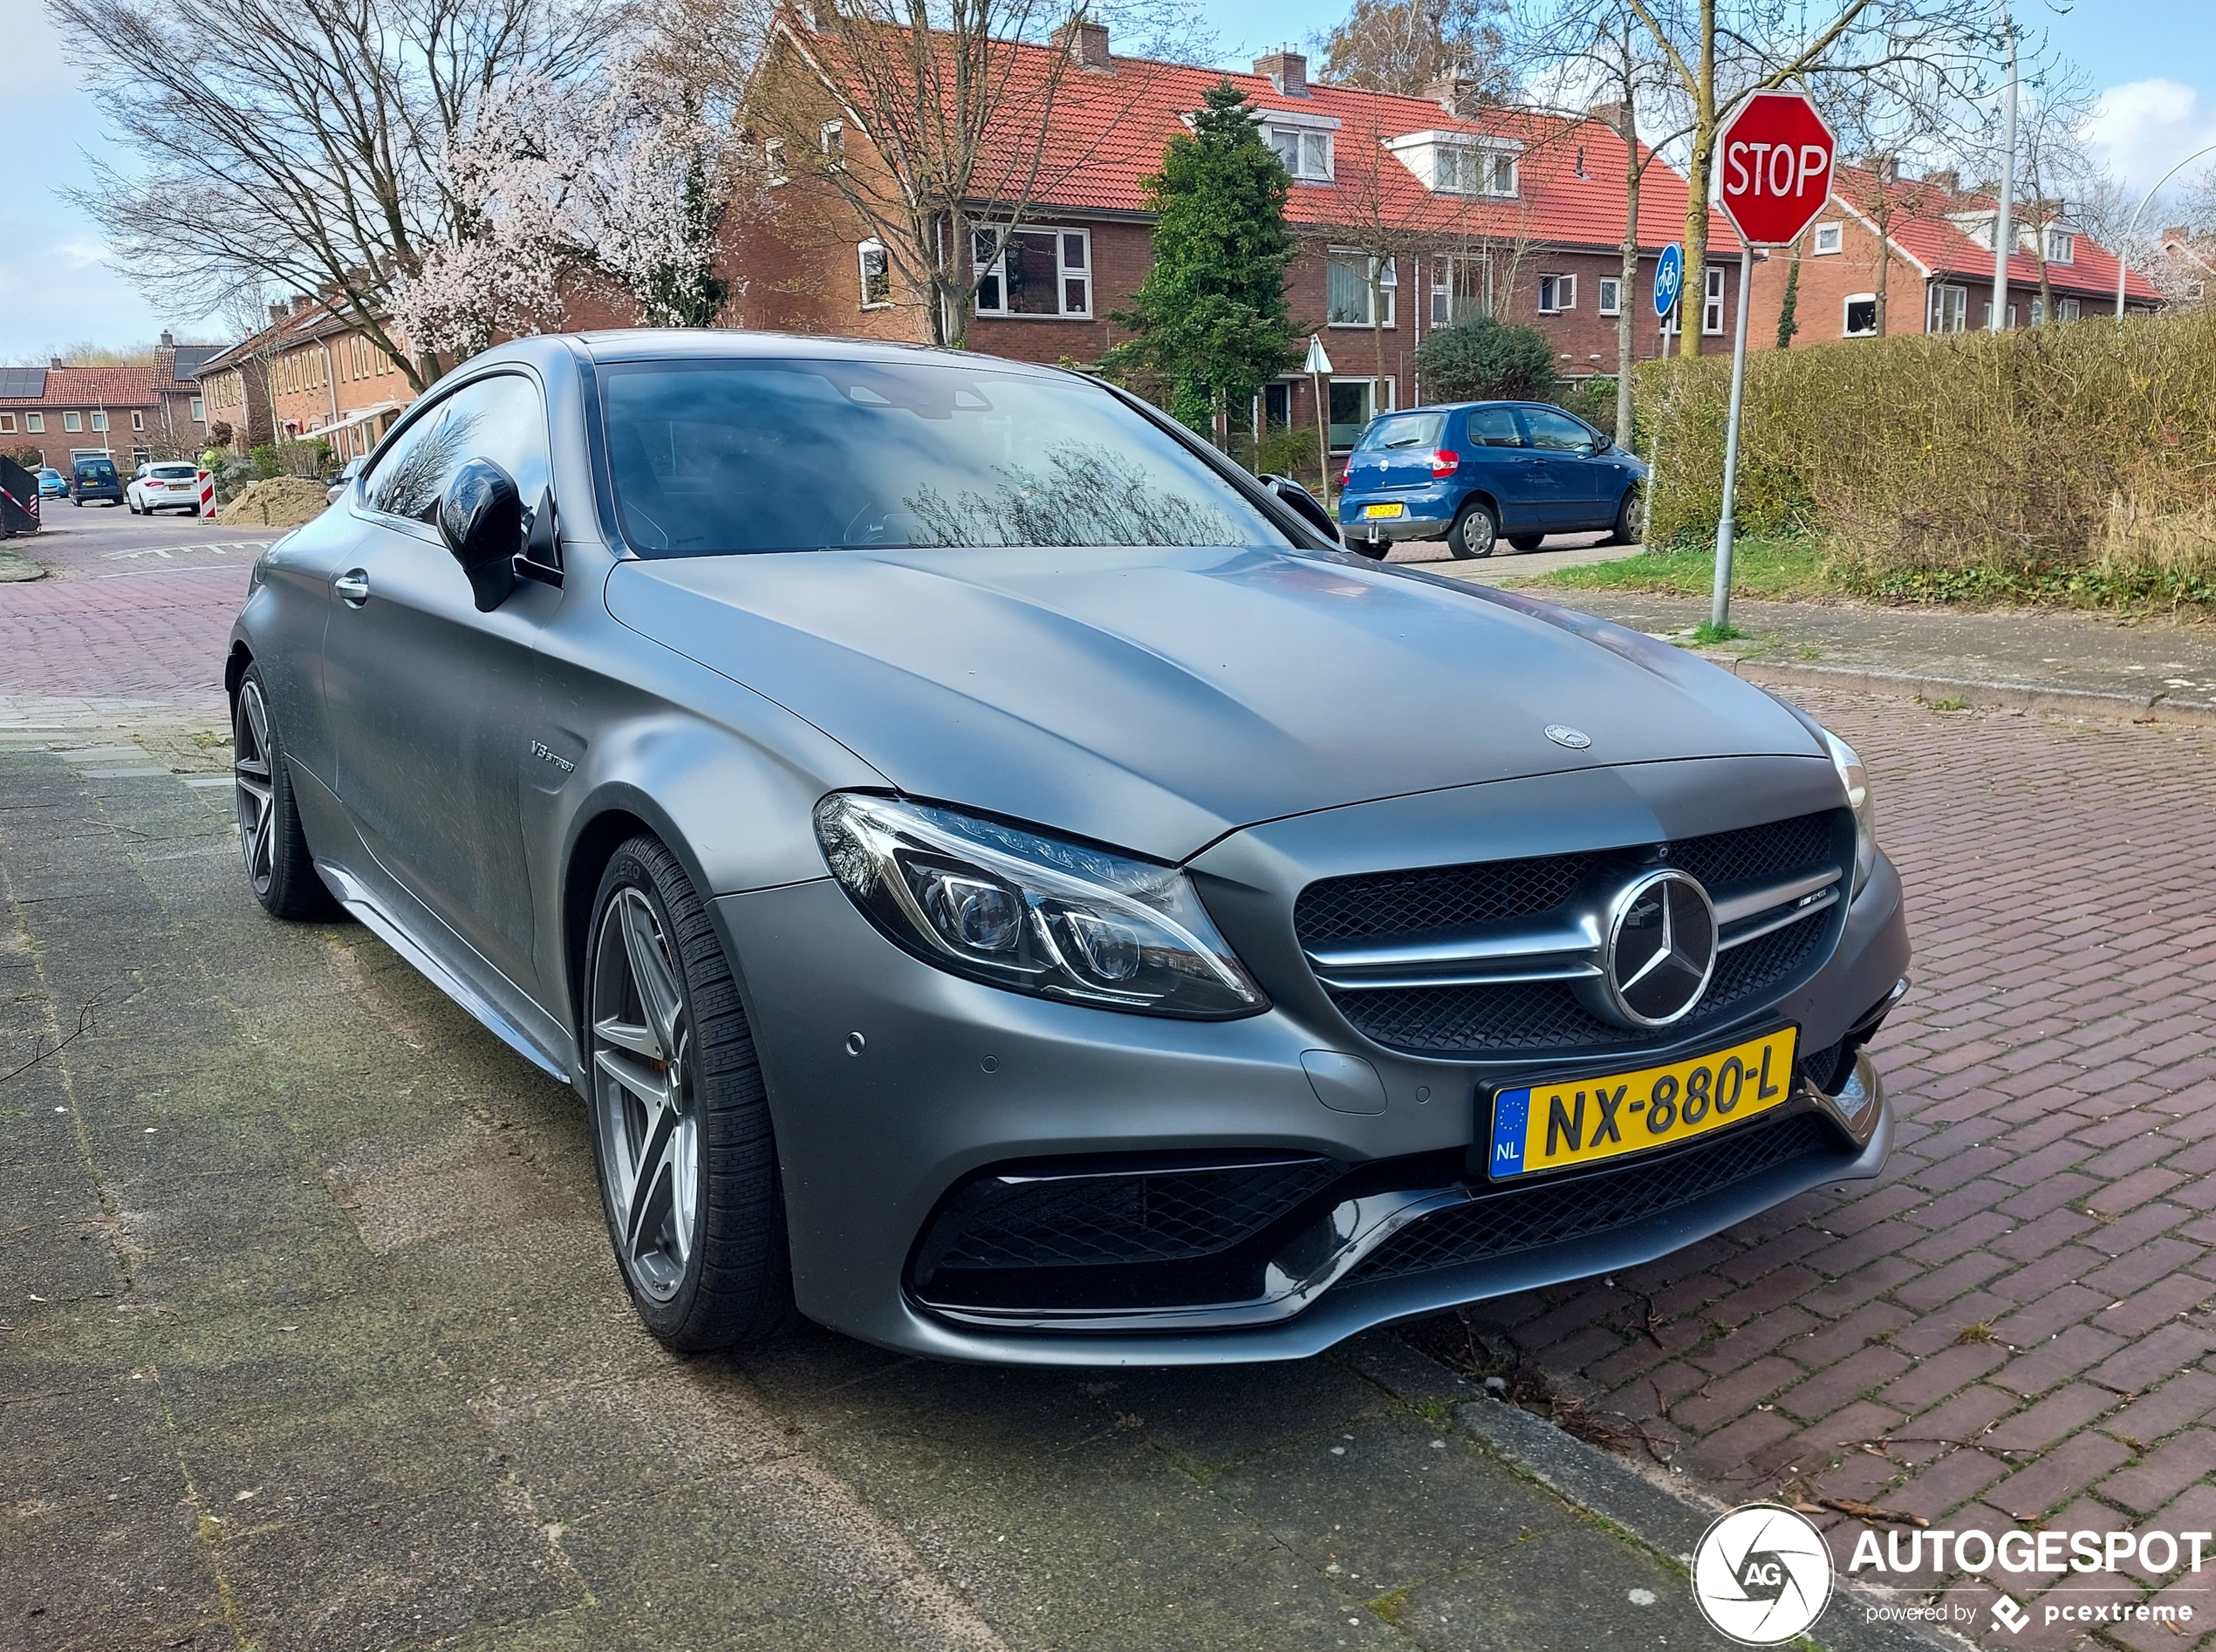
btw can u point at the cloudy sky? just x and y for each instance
(2155, 60)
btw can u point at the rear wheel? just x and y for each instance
(1476, 531)
(1525, 542)
(681, 1121)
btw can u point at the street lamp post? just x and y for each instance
(2004, 227)
(2122, 269)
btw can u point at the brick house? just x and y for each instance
(2188, 266)
(1933, 262)
(1409, 213)
(64, 413)
(183, 419)
(305, 375)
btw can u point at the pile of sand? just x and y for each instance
(282, 502)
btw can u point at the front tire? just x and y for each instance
(1476, 530)
(269, 836)
(681, 1132)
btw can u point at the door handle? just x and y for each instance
(353, 585)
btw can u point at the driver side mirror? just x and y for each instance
(481, 517)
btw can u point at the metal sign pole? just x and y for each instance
(1318, 368)
(1720, 605)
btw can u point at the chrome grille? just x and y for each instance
(1480, 960)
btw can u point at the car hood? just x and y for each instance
(1156, 700)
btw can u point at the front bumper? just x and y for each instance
(949, 1078)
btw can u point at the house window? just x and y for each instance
(1276, 406)
(773, 161)
(1612, 296)
(1039, 272)
(1354, 402)
(2066, 310)
(2038, 313)
(1353, 280)
(1949, 309)
(2061, 247)
(877, 275)
(830, 137)
(73, 422)
(35, 424)
(1464, 170)
(99, 421)
(199, 410)
(1827, 240)
(1712, 300)
(138, 421)
(1861, 316)
(7, 424)
(1557, 293)
(2195, 291)
(1307, 154)
(1461, 288)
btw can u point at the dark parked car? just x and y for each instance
(1480, 472)
(940, 818)
(95, 479)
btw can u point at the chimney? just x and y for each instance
(300, 303)
(2177, 232)
(53, 364)
(1949, 180)
(168, 339)
(1087, 44)
(1610, 113)
(1456, 94)
(277, 313)
(1286, 70)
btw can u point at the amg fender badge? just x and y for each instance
(546, 754)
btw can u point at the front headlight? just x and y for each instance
(1857, 781)
(1029, 913)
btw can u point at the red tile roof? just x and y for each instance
(1921, 227)
(1107, 131)
(91, 387)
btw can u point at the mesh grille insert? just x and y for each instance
(1525, 1219)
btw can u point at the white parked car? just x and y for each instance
(164, 486)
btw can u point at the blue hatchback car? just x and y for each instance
(1478, 472)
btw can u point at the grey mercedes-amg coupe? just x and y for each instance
(1009, 886)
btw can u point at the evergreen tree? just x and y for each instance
(1210, 316)
(1787, 312)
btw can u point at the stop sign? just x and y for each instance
(1776, 171)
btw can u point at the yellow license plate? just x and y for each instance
(1381, 510)
(1579, 1121)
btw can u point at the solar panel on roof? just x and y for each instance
(23, 381)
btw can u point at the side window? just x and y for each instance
(1493, 428)
(498, 419)
(1554, 432)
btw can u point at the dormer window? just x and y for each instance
(1307, 154)
(1459, 163)
(2061, 247)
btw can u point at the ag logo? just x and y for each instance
(1762, 1575)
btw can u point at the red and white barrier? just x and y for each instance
(207, 493)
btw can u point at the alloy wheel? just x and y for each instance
(255, 784)
(645, 1110)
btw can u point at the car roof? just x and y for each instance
(612, 345)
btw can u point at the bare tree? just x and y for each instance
(932, 122)
(296, 144)
(2053, 162)
(1406, 45)
(1721, 52)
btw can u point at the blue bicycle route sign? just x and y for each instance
(1669, 279)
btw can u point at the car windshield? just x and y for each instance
(720, 458)
(1408, 430)
(99, 471)
(173, 472)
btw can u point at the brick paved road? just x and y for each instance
(2012, 1326)
(137, 609)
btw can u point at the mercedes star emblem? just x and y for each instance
(1661, 948)
(1561, 734)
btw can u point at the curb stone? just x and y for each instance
(1665, 1522)
(2076, 702)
